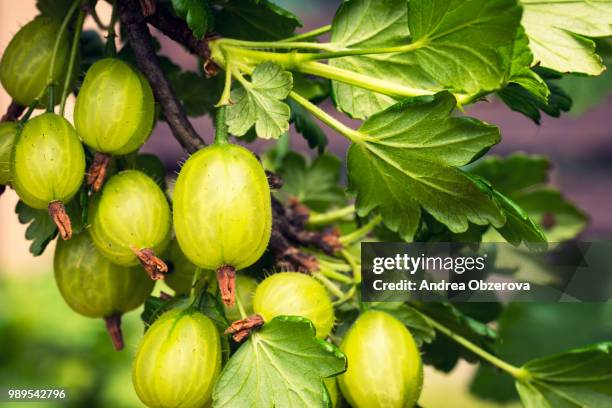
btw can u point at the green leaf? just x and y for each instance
(198, 95)
(255, 20)
(282, 365)
(260, 103)
(312, 88)
(421, 330)
(532, 330)
(407, 160)
(512, 173)
(314, 184)
(561, 219)
(41, 230)
(526, 97)
(307, 127)
(460, 46)
(443, 353)
(520, 68)
(577, 378)
(518, 227)
(521, 178)
(196, 13)
(557, 31)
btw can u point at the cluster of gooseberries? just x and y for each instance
(218, 219)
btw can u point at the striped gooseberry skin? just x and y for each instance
(222, 207)
(384, 365)
(178, 361)
(24, 67)
(48, 162)
(8, 133)
(130, 212)
(295, 294)
(93, 286)
(115, 109)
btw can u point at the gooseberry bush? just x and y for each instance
(263, 252)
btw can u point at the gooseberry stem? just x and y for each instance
(330, 273)
(220, 127)
(60, 33)
(28, 113)
(110, 49)
(113, 326)
(351, 134)
(355, 267)
(310, 34)
(360, 233)
(516, 372)
(316, 220)
(73, 52)
(331, 286)
(336, 266)
(197, 275)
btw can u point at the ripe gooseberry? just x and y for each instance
(295, 294)
(222, 211)
(178, 361)
(24, 68)
(130, 221)
(114, 113)
(379, 340)
(48, 166)
(94, 287)
(8, 133)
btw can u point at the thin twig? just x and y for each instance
(177, 29)
(140, 39)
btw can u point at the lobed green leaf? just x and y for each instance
(463, 46)
(557, 31)
(260, 103)
(407, 162)
(282, 365)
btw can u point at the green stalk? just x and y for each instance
(356, 268)
(360, 233)
(28, 113)
(73, 52)
(220, 127)
(331, 286)
(332, 274)
(351, 134)
(111, 49)
(516, 372)
(315, 220)
(227, 87)
(60, 33)
(392, 89)
(275, 44)
(310, 34)
(194, 283)
(346, 297)
(336, 266)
